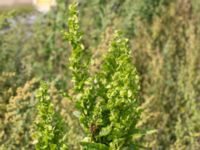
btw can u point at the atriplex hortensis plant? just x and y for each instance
(107, 101)
(78, 61)
(50, 129)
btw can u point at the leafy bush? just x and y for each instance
(50, 129)
(23, 56)
(107, 100)
(166, 60)
(164, 37)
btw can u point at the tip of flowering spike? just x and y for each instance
(118, 33)
(73, 6)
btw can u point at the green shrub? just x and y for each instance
(19, 114)
(50, 129)
(107, 101)
(166, 54)
(164, 36)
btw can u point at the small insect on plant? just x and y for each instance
(94, 130)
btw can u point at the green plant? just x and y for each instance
(24, 51)
(78, 63)
(50, 133)
(165, 37)
(167, 61)
(19, 117)
(107, 100)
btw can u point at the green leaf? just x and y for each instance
(105, 131)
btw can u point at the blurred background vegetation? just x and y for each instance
(164, 37)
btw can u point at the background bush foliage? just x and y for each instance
(164, 37)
